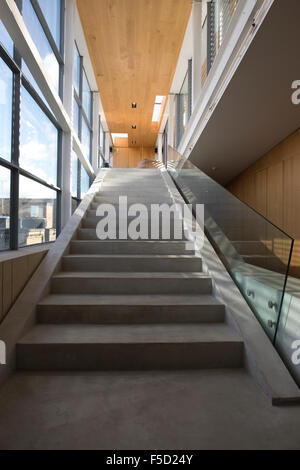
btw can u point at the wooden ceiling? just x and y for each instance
(134, 47)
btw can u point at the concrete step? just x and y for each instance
(90, 234)
(134, 198)
(128, 247)
(92, 221)
(130, 190)
(131, 283)
(133, 263)
(129, 347)
(92, 213)
(148, 204)
(131, 309)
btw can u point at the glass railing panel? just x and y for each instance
(288, 335)
(255, 252)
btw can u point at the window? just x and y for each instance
(86, 97)
(51, 10)
(184, 105)
(77, 68)
(30, 143)
(83, 106)
(37, 213)
(4, 208)
(86, 139)
(38, 141)
(85, 182)
(45, 50)
(6, 40)
(101, 145)
(6, 91)
(74, 185)
(76, 114)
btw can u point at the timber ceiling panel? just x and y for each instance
(134, 46)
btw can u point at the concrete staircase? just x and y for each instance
(129, 305)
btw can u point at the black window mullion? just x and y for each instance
(14, 209)
(15, 153)
(62, 28)
(78, 178)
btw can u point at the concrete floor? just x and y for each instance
(208, 409)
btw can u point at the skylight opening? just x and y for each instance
(157, 108)
(118, 136)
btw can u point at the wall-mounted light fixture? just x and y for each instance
(133, 105)
(134, 126)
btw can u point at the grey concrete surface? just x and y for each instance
(130, 283)
(130, 309)
(212, 409)
(129, 347)
(133, 263)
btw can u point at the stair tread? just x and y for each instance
(135, 256)
(131, 275)
(165, 242)
(130, 334)
(64, 299)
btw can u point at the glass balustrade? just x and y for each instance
(255, 252)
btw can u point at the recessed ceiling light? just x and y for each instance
(133, 105)
(134, 126)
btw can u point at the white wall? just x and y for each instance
(204, 96)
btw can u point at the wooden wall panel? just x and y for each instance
(261, 185)
(275, 201)
(272, 187)
(131, 156)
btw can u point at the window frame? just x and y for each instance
(79, 100)
(58, 51)
(19, 79)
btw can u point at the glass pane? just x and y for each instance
(6, 40)
(86, 139)
(36, 31)
(184, 96)
(254, 251)
(86, 97)
(85, 182)
(4, 208)
(101, 139)
(33, 83)
(51, 11)
(74, 175)
(289, 328)
(38, 140)
(6, 90)
(37, 213)
(77, 70)
(76, 116)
